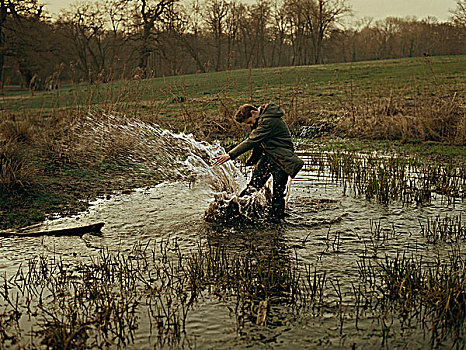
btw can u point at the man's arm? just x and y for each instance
(257, 136)
(256, 154)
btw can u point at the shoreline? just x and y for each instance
(68, 189)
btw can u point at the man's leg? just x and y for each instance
(260, 175)
(280, 179)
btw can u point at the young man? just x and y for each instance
(273, 152)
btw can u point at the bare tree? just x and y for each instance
(233, 24)
(239, 33)
(20, 32)
(147, 14)
(389, 29)
(297, 27)
(322, 16)
(459, 14)
(118, 23)
(279, 32)
(6, 8)
(259, 14)
(187, 31)
(216, 12)
(175, 39)
(85, 24)
(312, 20)
(117, 36)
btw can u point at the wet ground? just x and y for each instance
(328, 230)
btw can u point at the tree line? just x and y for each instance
(98, 41)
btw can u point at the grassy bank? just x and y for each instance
(58, 164)
(60, 147)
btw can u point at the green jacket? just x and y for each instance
(273, 135)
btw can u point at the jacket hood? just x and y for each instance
(272, 110)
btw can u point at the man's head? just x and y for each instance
(247, 114)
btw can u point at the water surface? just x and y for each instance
(328, 229)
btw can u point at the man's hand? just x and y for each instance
(220, 159)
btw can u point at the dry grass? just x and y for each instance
(444, 229)
(399, 117)
(439, 286)
(16, 130)
(100, 303)
(72, 128)
(15, 171)
(105, 301)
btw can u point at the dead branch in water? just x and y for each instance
(75, 231)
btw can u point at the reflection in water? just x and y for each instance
(315, 281)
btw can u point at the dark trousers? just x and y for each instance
(264, 168)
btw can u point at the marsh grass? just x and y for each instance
(102, 302)
(390, 178)
(426, 294)
(387, 101)
(438, 289)
(105, 300)
(392, 99)
(424, 116)
(439, 229)
(16, 173)
(16, 130)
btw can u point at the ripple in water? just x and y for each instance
(328, 230)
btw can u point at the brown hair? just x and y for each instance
(244, 112)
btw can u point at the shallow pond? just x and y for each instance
(329, 232)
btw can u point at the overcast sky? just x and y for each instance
(377, 9)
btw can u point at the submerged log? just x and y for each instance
(75, 231)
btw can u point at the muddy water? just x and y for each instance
(326, 229)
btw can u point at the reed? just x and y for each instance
(16, 173)
(101, 302)
(393, 178)
(105, 300)
(432, 292)
(16, 130)
(438, 229)
(403, 114)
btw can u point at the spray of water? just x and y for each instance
(230, 209)
(181, 157)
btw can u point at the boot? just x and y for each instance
(277, 212)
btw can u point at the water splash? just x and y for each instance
(231, 209)
(181, 157)
(178, 156)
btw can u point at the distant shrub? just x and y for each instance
(14, 171)
(16, 130)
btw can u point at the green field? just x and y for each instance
(320, 86)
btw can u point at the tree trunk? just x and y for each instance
(26, 73)
(145, 51)
(219, 53)
(192, 51)
(144, 54)
(2, 59)
(3, 10)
